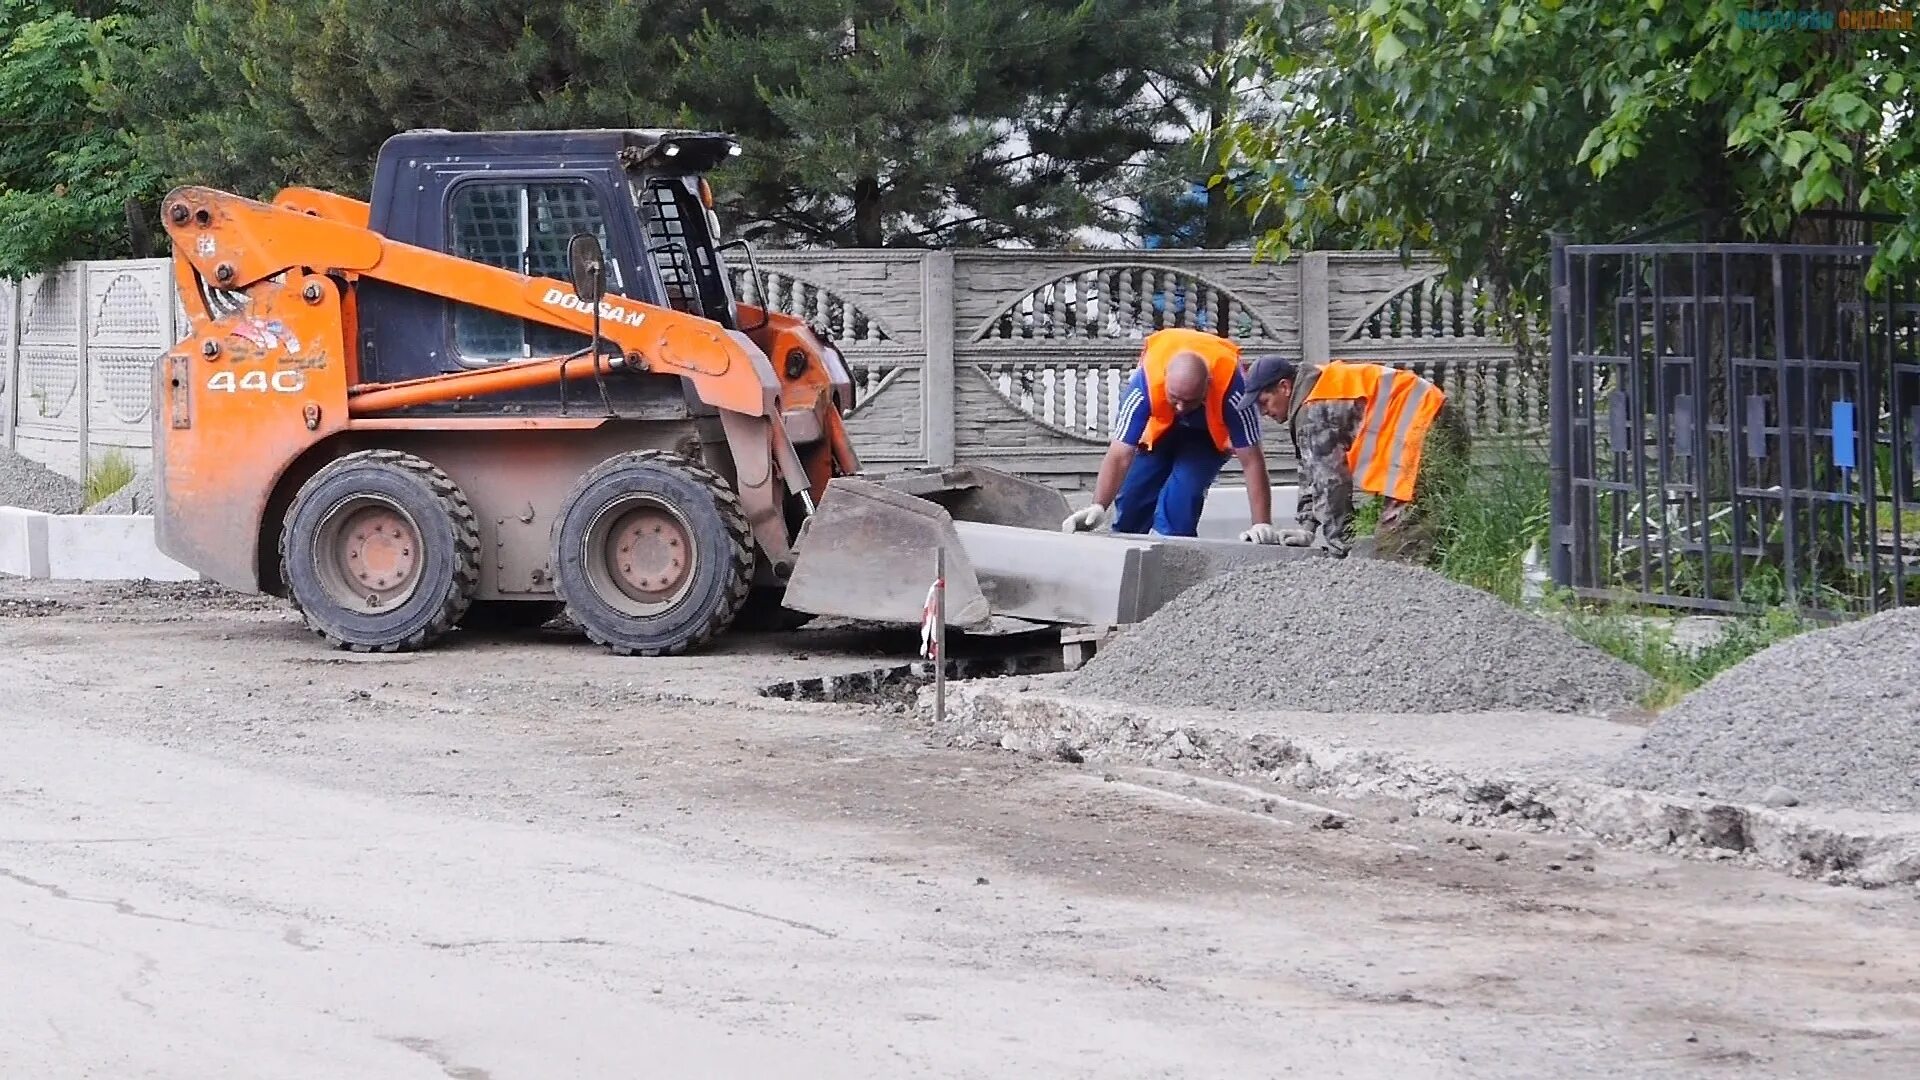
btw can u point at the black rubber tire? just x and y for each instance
(722, 543)
(449, 556)
(510, 614)
(762, 613)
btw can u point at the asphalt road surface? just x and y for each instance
(226, 851)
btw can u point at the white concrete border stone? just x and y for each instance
(23, 542)
(84, 547)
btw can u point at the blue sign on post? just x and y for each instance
(1843, 434)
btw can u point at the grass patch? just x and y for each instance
(1645, 639)
(1487, 515)
(113, 472)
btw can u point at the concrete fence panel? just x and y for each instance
(9, 356)
(1015, 359)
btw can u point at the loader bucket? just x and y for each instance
(867, 552)
(989, 496)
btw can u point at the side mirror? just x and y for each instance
(587, 266)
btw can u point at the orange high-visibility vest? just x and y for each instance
(1223, 361)
(1401, 406)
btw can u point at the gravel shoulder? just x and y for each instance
(228, 851)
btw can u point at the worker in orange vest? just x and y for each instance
(1354, 425)
(1184, 412)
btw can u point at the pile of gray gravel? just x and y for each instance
(29, 485)
(1353, 635)
(135, 498)
(1830, 717)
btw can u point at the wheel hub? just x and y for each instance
(649, 554)
(640, 556)
(368, 554)
(381, 549)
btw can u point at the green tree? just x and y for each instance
(1206, 80)
(956, 122)
(256, 97)
(66, 173)
(1474, 128)
(865, 123)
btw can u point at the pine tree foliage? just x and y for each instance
(930, 121)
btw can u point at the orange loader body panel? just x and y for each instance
(246, 394)
(232, 420)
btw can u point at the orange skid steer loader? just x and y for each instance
(517, 378)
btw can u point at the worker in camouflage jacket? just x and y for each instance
(1358, 426)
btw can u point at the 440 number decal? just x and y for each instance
(257, 381)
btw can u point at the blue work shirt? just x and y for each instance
(1242, 408)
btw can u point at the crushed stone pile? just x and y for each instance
(135, 498)
(1829, 717)
(1353, 635)
(29, 485)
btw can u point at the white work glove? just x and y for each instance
(1267, 534)
(1084, 520)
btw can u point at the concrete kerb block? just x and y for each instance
(23, 542)
(1072, 578)
(108, 547)
(1225, 515)
(1854, 848)
(84, 547)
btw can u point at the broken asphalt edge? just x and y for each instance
(1863, 850)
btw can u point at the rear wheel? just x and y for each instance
(652, 554)
(380, 552)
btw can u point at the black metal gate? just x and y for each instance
(1735, 426)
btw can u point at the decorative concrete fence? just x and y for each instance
(1017, 358)
(77, 349)
(1009, 358)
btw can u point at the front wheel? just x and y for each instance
(380, 551)
(652, 554)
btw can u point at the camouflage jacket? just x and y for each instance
(1322, 433)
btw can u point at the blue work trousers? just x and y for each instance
(1166, 487)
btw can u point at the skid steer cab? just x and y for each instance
(518, 379)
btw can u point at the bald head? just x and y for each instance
(1186, 382)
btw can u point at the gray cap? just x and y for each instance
(1266, 372)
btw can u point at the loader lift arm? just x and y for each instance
(234, 243)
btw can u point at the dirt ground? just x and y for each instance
(228, 851)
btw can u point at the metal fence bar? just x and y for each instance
(1736, 434)
(1726, 249)
(1868, 424)
(1701, 461)
(1901, 464)
(1784, 410)
(1561, 537)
